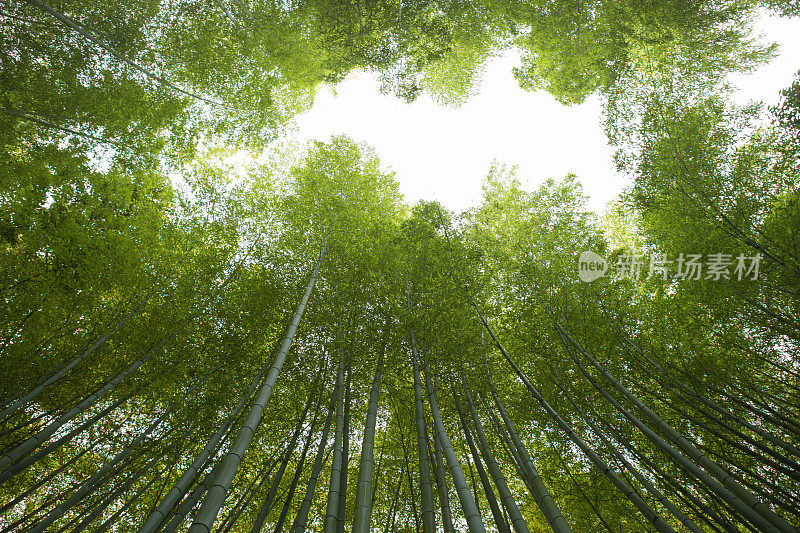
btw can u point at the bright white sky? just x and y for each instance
(443, 153)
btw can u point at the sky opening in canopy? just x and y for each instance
(443, 153)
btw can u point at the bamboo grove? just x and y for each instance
(188, 345)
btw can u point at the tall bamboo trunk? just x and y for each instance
(21, 465)
(540, 491)
(156, 518)
(643, 481)
(658, 522)
(741, 500)
(703, 510)
(712, 484)
(31, 443)
(491, 499)
(341, 514)
(362, 511)
(331, 521)
(393, 507)
(249, 493)
(407, 469)
(378, 471)
(115, 494)
(663, 377)
(426, 489)
(216, 494)
(114, 518)
(287, 455)
(301, 518)
(21, 524)
(92, 482)
(473, 518)
(519, 524)
(784, 464)
(295, 479)
(191, 501)
(441, 485)
(86, 34)
(25, 400)
(40, 482)
(582, 493)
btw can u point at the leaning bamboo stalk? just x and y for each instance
(115, 494)
(21, 523)
(687, 465)
(474, 522)
(29, 444)
(617, 481)
(91, 483)
(663, 377)
(390, 516)
(21, 465)
(86, 34)
(519, 524)
(248, 493)
(539, 490)
(406, 467)
(704, 510)
(785, 465)
(158, 515)
(736, 495)
(39, 483)
(114, 518)
(191, 501)
(649, 487)
(497, 514)
(295, 479)
(341, 514)
(287, 454)
(216, 494)
(25, 400)
(441, 484)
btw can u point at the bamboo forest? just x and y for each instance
(192, 343)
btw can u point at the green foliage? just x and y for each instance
(574, 48)
(131, 241)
